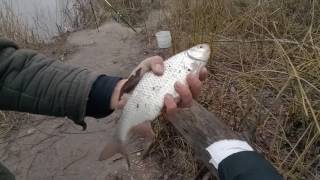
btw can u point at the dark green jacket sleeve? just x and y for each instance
(30, 82)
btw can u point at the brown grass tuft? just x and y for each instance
(264, 73)
(11, 26)
(172, 152)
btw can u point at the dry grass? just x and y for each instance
(11, 26)
(85, 14)
(10, 121)
(173, 154)
(76, 15)
(134, 11)
(5, 125)
(264, 73)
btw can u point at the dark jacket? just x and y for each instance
(31, 82)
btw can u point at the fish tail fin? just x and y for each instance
(144, 130)
(113, 148)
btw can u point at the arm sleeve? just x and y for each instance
(98, 105)
(236, 160)
(247, 165)
(30, 82)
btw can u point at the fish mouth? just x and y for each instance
(194, 58)
(200, 52)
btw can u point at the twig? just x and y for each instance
(13, 139)
(31, 164)
(41, 141)
(121, 157)
(295, 146)
(120, 15)
(94, 14)
(74, 161)
(92, 132)
(283, 41)
(207, 176)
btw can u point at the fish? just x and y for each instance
(147, 98)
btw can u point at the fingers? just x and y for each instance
(114, 104)
(194, 85)
(203, 74)
(170, 104)
(194, 81)
(184, 93)
(155, 64)
(123, 101)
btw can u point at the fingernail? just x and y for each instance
(167, 96)
(178, 84)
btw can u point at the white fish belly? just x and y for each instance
(147, 99)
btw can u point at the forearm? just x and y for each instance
(236, 160)
(30, 82)
(98, 104)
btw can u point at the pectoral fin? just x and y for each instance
(131, 83)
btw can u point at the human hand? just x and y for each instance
(186, 92)
(154, 64)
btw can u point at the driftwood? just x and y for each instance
(201, 128)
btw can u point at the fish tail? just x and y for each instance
(112, 148)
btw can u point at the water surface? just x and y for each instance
(44, 17)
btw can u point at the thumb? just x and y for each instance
(123, 101)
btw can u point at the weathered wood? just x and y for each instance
(201, 128)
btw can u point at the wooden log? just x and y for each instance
(201, 128)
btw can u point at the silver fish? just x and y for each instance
(147, 99)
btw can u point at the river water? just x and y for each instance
(44, 17)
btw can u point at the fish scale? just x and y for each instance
(147, 99)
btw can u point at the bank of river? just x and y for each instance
(45, 18)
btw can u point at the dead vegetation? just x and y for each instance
(11, 26)
(134, 11)
(264, 74)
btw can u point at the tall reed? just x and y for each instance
(13, 27)
(264, 73)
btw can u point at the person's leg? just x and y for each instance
(5, 174)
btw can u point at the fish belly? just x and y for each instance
(147, 99)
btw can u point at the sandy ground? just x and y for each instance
(55, 148)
